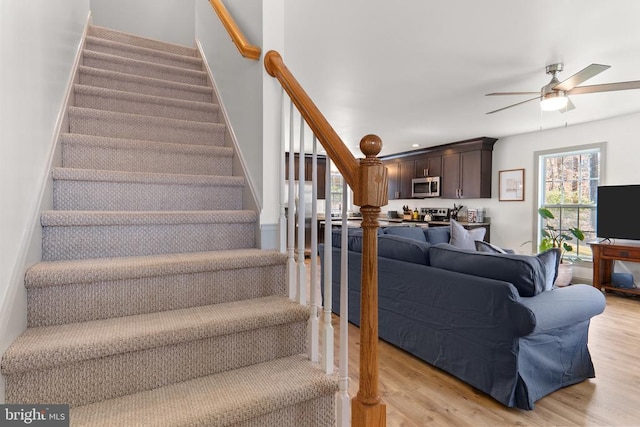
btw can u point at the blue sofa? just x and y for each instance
(464, 311)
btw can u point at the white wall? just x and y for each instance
(512, 223)
(38, 44)
(167, 20)
(239, 80)
(273, 39)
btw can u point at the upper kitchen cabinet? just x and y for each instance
(399, 174)
(308, 163)
(428, 166)
(466, 169)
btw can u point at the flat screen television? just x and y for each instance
(615, 202)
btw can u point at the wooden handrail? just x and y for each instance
(368, 180)
(246, 49)
(331, 142)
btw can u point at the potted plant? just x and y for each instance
(555, 238)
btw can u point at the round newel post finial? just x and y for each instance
(371, 145)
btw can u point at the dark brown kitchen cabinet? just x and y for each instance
(308, 163)
(399, 175)
(466, 175)
(428, 166)
(464, 169)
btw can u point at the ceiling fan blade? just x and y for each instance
(581, 76)
(512, 93)
(606, 87)
(513, 105)
(569, 106)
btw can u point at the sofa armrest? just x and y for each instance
(565, 306)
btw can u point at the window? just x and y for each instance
(568, 186)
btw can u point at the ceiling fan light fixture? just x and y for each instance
(554, 101)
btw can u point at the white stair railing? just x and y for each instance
(343, 399)
(321, 334)
(291, 217)
(327, 330)
(302, 271)
(314, 339)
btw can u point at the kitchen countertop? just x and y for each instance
(392, 222)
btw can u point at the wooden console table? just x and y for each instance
(603, 256)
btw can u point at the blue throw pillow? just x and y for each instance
(551, 260)
(435, 235)
(414, 233)
(403, 249)
(530, 274)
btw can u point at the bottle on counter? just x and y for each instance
(416, 215)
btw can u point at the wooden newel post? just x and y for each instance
(367, 408)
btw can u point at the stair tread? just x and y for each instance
(94, 140)
(139, 97)
(72, 174)
(221, 399)
(87, 53)
(151, 81)
(47, 346)
(141, 50)
(54, 218)
(175, 123)
(111, 34)
(58, 273)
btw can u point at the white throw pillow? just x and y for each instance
(463, 238)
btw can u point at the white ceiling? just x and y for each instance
(416, 71)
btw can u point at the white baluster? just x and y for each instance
(291, 262)
(344, 402)
(302, 271)
(327, 330)
(313, 291)
(282, 221)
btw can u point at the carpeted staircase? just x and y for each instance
(152, 305)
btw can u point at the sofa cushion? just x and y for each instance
(415, 233)
(482, 246)
(403, 249)
(336, 235)
(435, 235)
(463, 238)
(528, 273)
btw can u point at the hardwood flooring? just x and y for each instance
(417, 394)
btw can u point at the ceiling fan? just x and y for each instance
(554, 95)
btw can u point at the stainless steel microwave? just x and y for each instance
(425, 187)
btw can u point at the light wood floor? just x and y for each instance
(417, 394)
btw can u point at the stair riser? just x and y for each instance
(131, 196)
(131, 39)
(138, 128)
(102, 300)
(108, 377)
(149, 87)
(84, 242)
(115, 158)
(318, 412)
(144, 56)
(146, 70)
(208, 114)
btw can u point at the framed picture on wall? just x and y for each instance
(511, 184)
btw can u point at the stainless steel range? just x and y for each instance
(436, 214)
